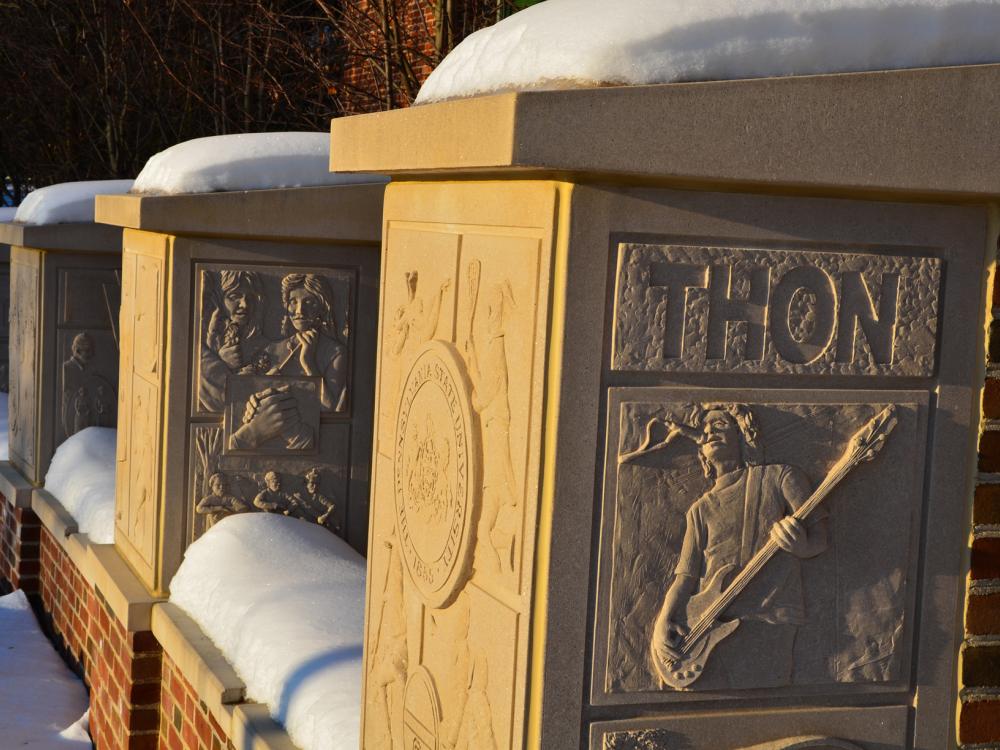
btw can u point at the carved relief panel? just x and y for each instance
(757, 540)
(87, 346)
(272, 391)
(137, 481)
(242, 389)
(757, 729)
(682, 308)
(455, 487)
(25, 295)
(65, 316)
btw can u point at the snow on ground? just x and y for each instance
(4, 441)
(82, 478)
(42, 703)
(571, 43)
(283, 599)
(66, 202)
(249, 161)
(7, 213)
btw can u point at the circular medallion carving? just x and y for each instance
(436, 473)
(421, 712)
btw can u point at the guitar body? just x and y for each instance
(682, 673)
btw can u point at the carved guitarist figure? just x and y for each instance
(749, 503)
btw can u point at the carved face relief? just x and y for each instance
(720, 437)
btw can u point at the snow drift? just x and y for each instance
(41, 701)
(67, 202)
(570, 43)
(249, 161)
(283, 599)
(82, 477)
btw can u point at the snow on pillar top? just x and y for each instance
(578, 43)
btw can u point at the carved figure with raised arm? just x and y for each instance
(234, 338)
(749, 504)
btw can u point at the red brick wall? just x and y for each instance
(122, 669)
(979, 713)
(185, 721)
(364, 85)
(19, 562)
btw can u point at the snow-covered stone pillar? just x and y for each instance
(64, 296)
(627, 334)
(249, 320)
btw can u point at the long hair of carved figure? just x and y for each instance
(230, 280)
(321, 290)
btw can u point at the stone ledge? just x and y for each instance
(53, 515)
(77, 237)
(923, 132)
(14, 486)
(100, 565)
(63, 528)
(254, 729)
(198, 660)
(337, 213)
(128, 598)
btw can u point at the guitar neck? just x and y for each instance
(765, 553)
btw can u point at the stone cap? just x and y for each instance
(75, 237)
(930, 131)
(348, 213)
(14, 487)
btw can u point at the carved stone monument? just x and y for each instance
(247, 363)
(676, 414)
(65, 292)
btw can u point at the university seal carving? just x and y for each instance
(436, 473)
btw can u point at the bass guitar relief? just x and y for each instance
(723, 555)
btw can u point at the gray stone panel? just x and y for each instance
(681, 308)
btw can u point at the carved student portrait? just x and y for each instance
(272, 391)
(748, 503)
(88, 397)
(751, 549)
(234, 336)
(235, 343)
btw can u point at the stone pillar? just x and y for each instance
(627, 334)
(249, 323)
(65, 293)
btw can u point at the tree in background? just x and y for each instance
(91, 89)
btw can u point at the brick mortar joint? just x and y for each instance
(982, 640)
(980, 695)
(984, 586)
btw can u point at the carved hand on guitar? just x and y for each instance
(790, 535)
(667, 638)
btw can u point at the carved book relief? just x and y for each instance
(448, 604)
(759, 545)
(272, 393)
